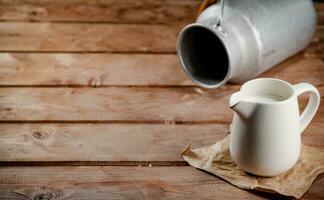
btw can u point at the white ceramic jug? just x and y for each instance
(266, 128)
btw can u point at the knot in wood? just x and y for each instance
(44, 196)
(40, 135)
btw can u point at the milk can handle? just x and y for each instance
(312, 105)
(221, 13)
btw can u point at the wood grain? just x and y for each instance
(85, 37)
(114, 144)
(105, 69)
(124, 183)
(319, 7)
(315, 49)
(146, 110)
(61, 69)
(108, 11)
(170, 105)
(58, 37)
(299, 68)
(163, 105)
(104, 142)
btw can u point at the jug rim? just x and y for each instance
(288, 85)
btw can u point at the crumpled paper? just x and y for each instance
(216, 159)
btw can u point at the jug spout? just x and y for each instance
(240, 106)
(234, 100)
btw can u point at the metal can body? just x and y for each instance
(254, 36)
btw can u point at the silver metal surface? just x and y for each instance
(221, 13)
(253, 36)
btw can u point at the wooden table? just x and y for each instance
(94, 105)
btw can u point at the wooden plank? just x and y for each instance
(54, 37)
(114, 144)
(90, 69)
(319, 7)
(313, 135)
(143, 104)
(315, 49)
(62, 69)
(299, 69)
(104, 142)
(125, 183)
(115, 104)
(109, 11)
(320, 18)
(74, 37)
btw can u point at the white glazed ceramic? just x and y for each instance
(266, 132)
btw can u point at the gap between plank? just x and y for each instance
(101, 86)
(87, 52)
(114, 86)
(91, 52)
(94, 22)
(93, 163)
(111, 52)
(117, 122)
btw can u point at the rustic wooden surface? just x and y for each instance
(94, 105)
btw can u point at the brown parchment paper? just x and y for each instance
(216, 159)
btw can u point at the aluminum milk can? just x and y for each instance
(236, 40)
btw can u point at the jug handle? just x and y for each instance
(312, 105)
